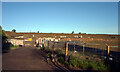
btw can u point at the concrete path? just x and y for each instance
(25, 58)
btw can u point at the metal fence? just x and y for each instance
(84, 50)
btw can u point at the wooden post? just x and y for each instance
(48, 44)
(44, 44)
(74, 46)
(52, 52)
(39, 42)
(108, 53)
(84, 50)
(66, 52)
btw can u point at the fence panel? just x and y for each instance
(84, 50)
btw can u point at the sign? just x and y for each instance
(29, 39)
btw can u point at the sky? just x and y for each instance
(61, 17)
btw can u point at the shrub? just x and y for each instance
(96, 65)
(92, 65)
(101, 66)
(58, 51)
(87, 64)
(13, 47)
(66, 63)
(49, 50)
(76, 62)
(61, 55)
(48, 54)
(61, 60)
(80, 63)
(73, 61)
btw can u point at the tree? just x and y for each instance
(3, 37)
(3, 44)
(72, 32)
(38, 32)
(0, 27)
(13, 30)
(79, 32)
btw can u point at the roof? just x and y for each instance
(17, 38)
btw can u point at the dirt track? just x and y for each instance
(25, 58)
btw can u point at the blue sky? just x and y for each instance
(61, 17)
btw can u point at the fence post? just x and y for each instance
(48, 43)
(66, 51)
(43, 44)
(74, 46)
(108, 52)
(83, 49)
(39, 42)
(53, 51)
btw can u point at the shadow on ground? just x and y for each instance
(6, 47)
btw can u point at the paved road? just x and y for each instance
(25, 58)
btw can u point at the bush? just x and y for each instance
(83, 64)
(92, 65)
(58, 51)
(49, 50)
(87, 64)
(12, 47)
(61, 60)
(80, 63)
(66, 63)
(48, 54)
(96, 65)
(76, 62)
(101, 66)
(5, 46)
(73, 61)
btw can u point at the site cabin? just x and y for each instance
(16, 42)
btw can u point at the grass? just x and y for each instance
(13, 47)
(76, 62)
(83, 63)
(88, 64)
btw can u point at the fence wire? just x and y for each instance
(82, 50)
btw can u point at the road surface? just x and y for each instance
(25, 58)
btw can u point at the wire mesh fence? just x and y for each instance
(81, 53)
(84, 50)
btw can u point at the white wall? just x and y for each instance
(15, 42)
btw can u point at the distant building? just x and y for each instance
(15, 42)
(76, 36)
(63, 36)
(19, 36)
(81, 36)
